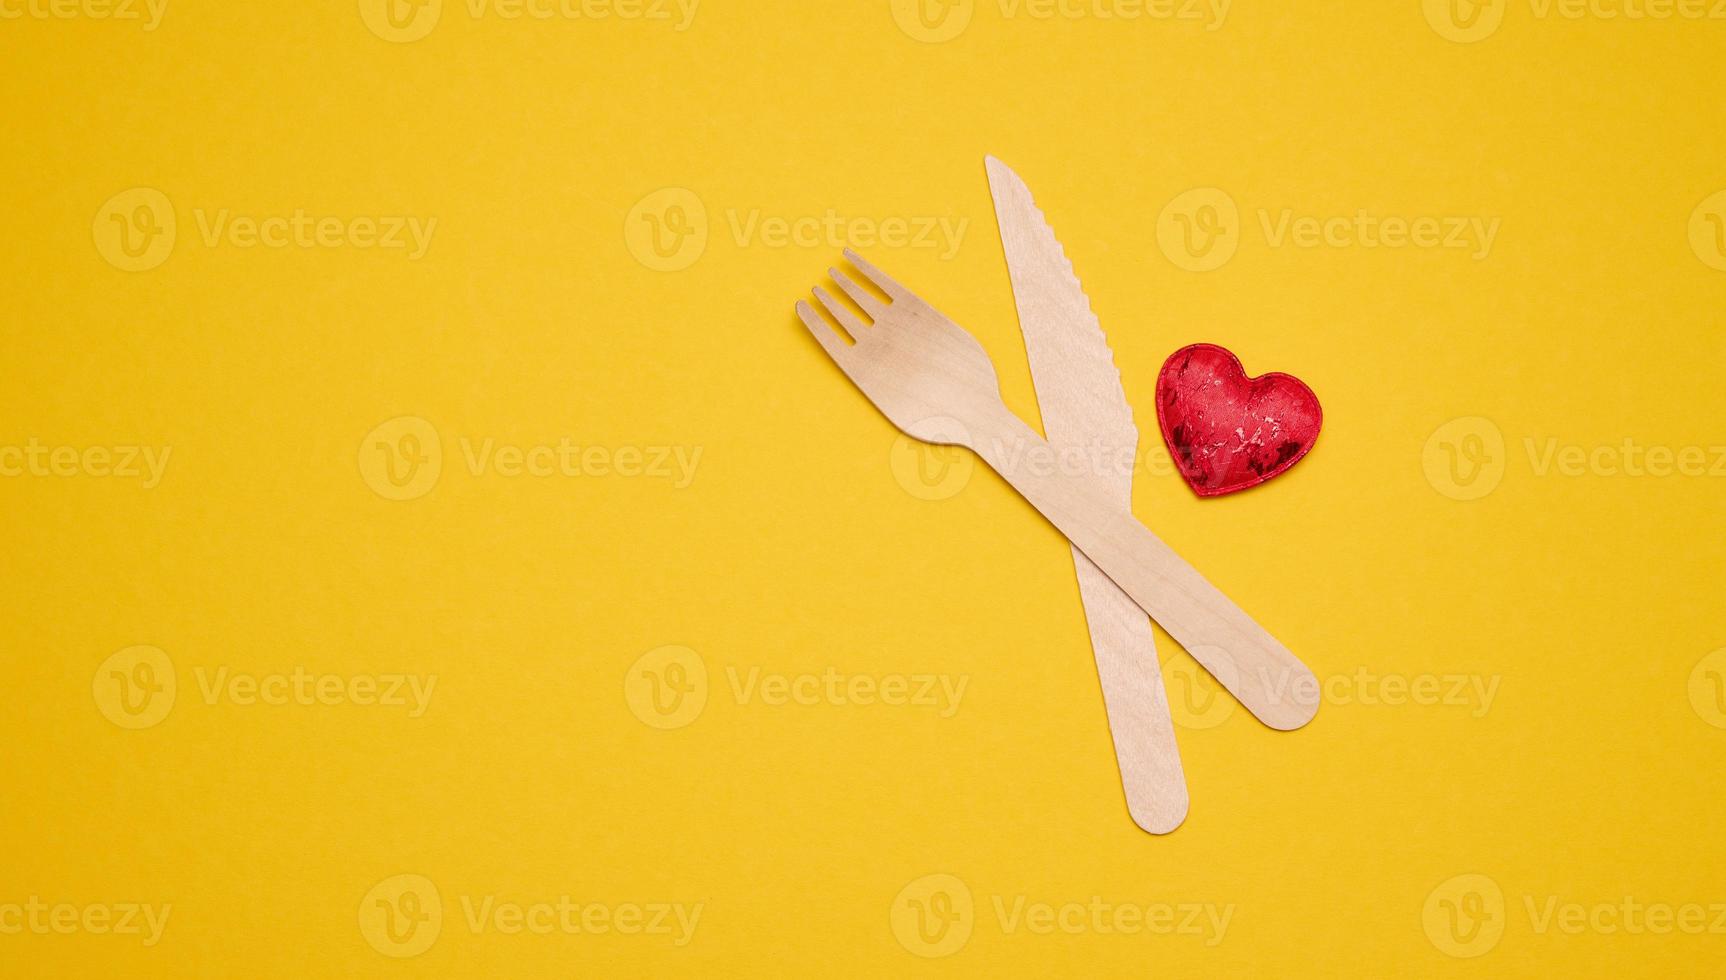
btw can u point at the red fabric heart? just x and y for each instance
(1225, 431)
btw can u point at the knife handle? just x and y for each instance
(1260, 672)
(1136, 703)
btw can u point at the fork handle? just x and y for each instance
(1260, 672)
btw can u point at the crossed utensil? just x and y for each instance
(935, 383)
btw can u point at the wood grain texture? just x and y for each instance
(1084, 408)
(936, 383)
(1259, 671)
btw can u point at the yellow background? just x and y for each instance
(1588, 599)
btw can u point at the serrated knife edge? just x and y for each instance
(1079, 390)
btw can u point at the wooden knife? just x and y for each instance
(1085, 413)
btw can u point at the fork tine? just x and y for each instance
(852, 323)
(876, 276)
(862, 297)
(824, 335)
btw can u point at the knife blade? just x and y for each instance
(1086, 417)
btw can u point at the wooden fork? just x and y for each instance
(935, 383)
